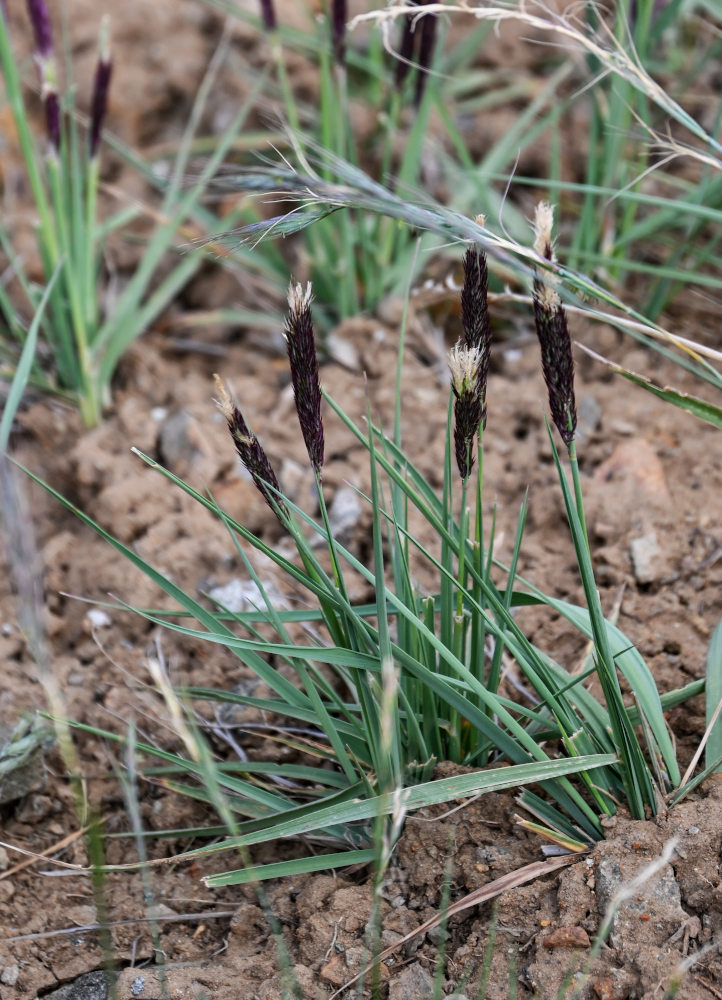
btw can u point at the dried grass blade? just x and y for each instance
(482, 895)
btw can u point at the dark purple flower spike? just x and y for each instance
(339, 17)
(250, 451)
(426, 55)
(99, 105)
(475, 316)
(468, 405)
(552, 331)
(45, 60)
(301, 345)
(268, 15)
(418, 35)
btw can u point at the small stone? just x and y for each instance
(10, 974)
(435, 935)
(248, 923)
(98, 618)
(646, 558)
(343, 352)
(335, 971)
(413, 981)
(606, 988)
(4, 859)
(35, 808)
(90, 986)
(589, 413)
(345, 511)
(567, 937)
(137, 986)
(179, 441)
(7, 891)
(238, 595)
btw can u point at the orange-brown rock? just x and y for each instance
(567, 937)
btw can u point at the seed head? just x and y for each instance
(52, 117)
(475, 315)
(250, 451)
(301, 345)
(468, 405)
(45, 61)
(551, 327)
(406, 49)
(99, 105)
(426, 55)
(543, 225)
(268, 15)
(339, 16)
(40, 20)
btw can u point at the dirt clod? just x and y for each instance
(567, 937)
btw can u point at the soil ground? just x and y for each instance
(652, 480)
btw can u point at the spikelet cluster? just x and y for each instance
(101, 86)
(301, 344)
(250, 451)
(416, 48)
(468, 407)
(553, 333)
(469, 360)
(47, 70)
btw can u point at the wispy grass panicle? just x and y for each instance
(45, 60)
(464, 364)
(475, 315)
(250, 451)
(101, 85)
(301, 345)
(339, 16)
(553, 333)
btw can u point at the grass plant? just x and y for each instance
(83, 336)
(648, 203)
(387, 689)
(641, 207)
(356, 260)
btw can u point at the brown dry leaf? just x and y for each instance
(503, 884)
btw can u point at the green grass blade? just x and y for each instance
(299, 866)
(713, 677)
(24, 366)
(431, 793)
